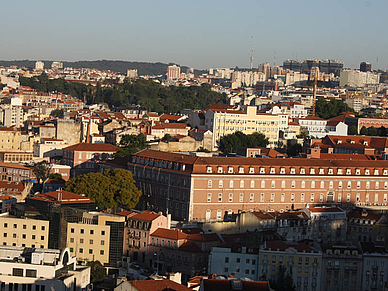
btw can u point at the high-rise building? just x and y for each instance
(39, 65)
(173, 72)
(57, 65)
(131, 73)
(365, 67)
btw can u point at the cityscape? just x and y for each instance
(177, 146)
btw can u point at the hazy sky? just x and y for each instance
(200, 34)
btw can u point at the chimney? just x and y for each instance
(60, 194)
(168, 220)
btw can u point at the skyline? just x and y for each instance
(201, 35)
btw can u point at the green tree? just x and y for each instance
(41, 171)
(130, 144)
(230, 142)
(283, 280)
(97, 271)
(55, 176)
(111, 189)
(294, 150)
(303, 134)
(364, 131)
(328, 109)
(353, 130)
(372, 131)
(57, 112)
(167, 137)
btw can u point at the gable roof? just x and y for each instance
(67, 197)
(92, 147)
(158, 285)
(169, 233)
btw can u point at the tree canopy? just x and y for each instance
(328, 109)
(230, 142)
(97, 271)
(41, 171)
(130, 144)
(111, 189)
(149, 94)
(283, 281)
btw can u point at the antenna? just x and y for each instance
(252, 55)
(274, 58)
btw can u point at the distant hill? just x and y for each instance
(143, 68)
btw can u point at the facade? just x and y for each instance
(342, 268)
(10, 138)
(15, 157)
(201, 188)
(41, 269)
(12, 172)
(49, 147)
(237, 260)
(23, 232)
(355, 78)
(300, 260)
(173, 72)
(375, 267)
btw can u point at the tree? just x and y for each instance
(230, 142)
(294, 150)
(167, 137)
(97, 271)
(353, 130)
(364, 131)
(372, 131)
(304, 135)
(130, 144)
(283, 280)
(55, 176)
(41, 171)
(57, 112)
(110, 189)
(328, 109)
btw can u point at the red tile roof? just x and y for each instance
(190, 247)
(92, 147)
(282, 246)
(158, 285)
(67, 197)
(325, 209)
(203, 237)
(227, 285)
(145, 215)
(169, 233)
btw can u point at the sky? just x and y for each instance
(199, 34)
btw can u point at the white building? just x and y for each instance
(356, 78)
(12, 114)
(39, 65)
(57, 65)
(173, 72)
(49, 147)
(131, 74)
(41, 269)
(375, 267)
(237, 260)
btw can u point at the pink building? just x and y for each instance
(208, 188)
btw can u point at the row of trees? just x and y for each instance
(370, 131)
(148, 94)
(329, 109)
(230, 142)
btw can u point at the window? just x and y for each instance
(241, 197)
(312, 184)
(262, 183)
(272, 184)
(272, 171)
(241, 170)
(282, 197)
(81, 240)
(81, 250)
(90, 241)
(24, 236)
(231, 184)
(251, 170)
(220, 184)
(312, 197)
(91, 231)
(34, 227)
(358, 184)
(90, 251)
(262, 197)
(358, 197)
(349, 184)
(42, 237)
(339, 197)
(322, 184)
(31, 273)
(5, 225)
(251, 197)
(230, 197)
(242, 184)
(219, 214)
(226, 259)
(348, 198)
(33, 236)
(24, 226)
(72, 230)
(43, 227)
(82, 231)
(17, 272)
(321, 197)
(238, 260)
(208, 169)
(209, 183)
(102, 232)
(15, 225)
(302, 171)
(377, 185)
(272, 197)
(252, 184)
(209, 197)
(230, 170)
(292, 197)
(72, 239)
(283, 184)
(219, 197)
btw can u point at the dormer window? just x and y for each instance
(358, 172)
(282, 170)
(367, 172)
(230, 170)
(312, 171)
(292, 171)
(321, 171)
(272, 171)
(302, 171)
(385, 172)
(208, 169)
(348, 171)
(330, 171)
(376, 172)
(251, 170)
(241, 170)
(340, 172)
(219, 170)
(262, 170)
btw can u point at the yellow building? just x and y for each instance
(10, 139)
(227, 121)
(23, 232)
(303, 262)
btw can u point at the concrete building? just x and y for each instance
(23, 232)
(132, 73)
(300, 260)
(173, 72)
(199, 188)
(240, 261)
(57, 65)
(12, 114)
(41, 269)
(341, 268)
(375, 267)
(355, 78)
(12, 172)
(49, 147)
(39, 65)
(10, 138)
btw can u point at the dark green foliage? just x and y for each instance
(143, 68)
(167, 137)
(353, 130)
(149, 94)
(111, 189)
(372, 131)
(328, 109)
(57, 112)
(230, 142)
(130, 144)
(364, 131)
(202, 149)
(55, 176)
(41, 171)
(97, 271)
(294, 150)
(304, 135)
(283, 281)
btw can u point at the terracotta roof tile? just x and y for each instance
(92, 147)
(169, 233)
(158, 285)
